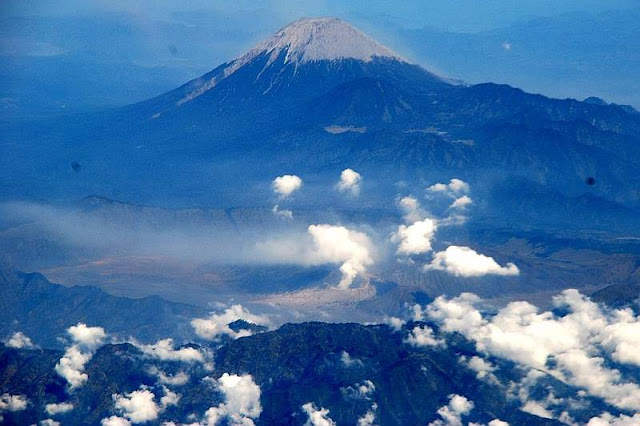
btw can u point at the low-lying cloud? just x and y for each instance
(349, 182)
(217, 324)
(466, 262)
(286, 185)
(242, 401)
(72, 364)
(576, 347)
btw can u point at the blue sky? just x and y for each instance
(455, 15)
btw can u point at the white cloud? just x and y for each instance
(423, 336)
(537, 409)
(497, 422)
(317, 416)
(454, 188)
(465, 262)
(49, 422)
(169, 397)
(138, 406)
(577, 343)
(115, 421)
(88, 337)
(242, 401)
(452, 413)
(461, 203)
(362, 390)
(482, 367)
(217, 325)
(60, 408)
(349, 181)
(606, 419)
(394, 322)
(286, 185)
(416, 238)
(85, 341)
(179, 379)
(164, 350)
(71, 366)
(19, 341)
(369, 418)
(13, 403)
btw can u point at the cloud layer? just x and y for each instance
(575, 347)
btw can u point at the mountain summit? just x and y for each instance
(307, 41)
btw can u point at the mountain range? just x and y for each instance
(292, 180)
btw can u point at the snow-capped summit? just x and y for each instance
(307, 40)
(315, 39)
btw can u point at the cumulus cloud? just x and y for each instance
(317, 416)
(13, 403)
(164, 350)
(454, 188)
(49, 422)
(573, 347)
(606, 419)
(362, 390)
(88, 337)
(115, 421)
(461, 203)
(242, 401)
(169, 398)
(422, 336)
(179, 379)
(466, 262)
(19, 341)
(394, 322)
(349, 182)
(138, 406)
(483, 368)
(416, 238)
(71, 365)
(451, 414)
(286, 185)
(59, 408)
(369, 418)
(217, 324)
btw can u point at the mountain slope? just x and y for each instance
(43, 311)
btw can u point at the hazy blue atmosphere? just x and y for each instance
(320, 213)
(82, 55)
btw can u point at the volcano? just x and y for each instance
(320, 96)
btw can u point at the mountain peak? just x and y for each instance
(316, 39)
(303, 41)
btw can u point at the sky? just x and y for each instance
(453, 15)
